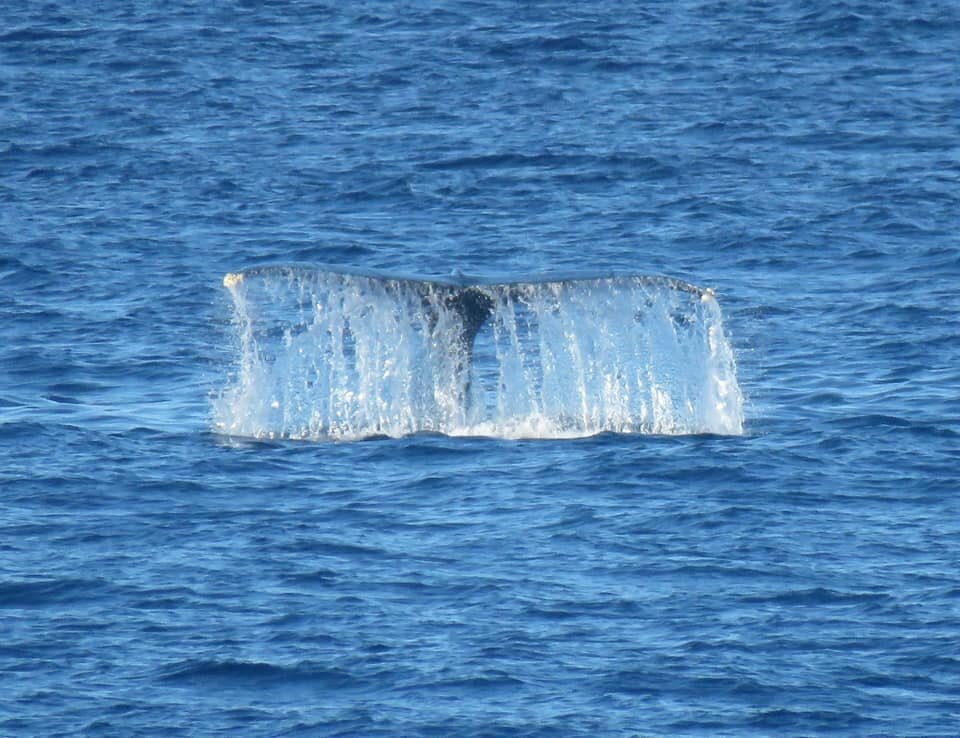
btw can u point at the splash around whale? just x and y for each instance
(327, 354)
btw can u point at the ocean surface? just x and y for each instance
(168, 569)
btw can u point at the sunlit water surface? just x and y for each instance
(607, 519)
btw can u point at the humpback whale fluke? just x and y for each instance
(326, 353)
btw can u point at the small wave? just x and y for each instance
(487, 681)
(34, 34)
(255, 674)
(820, 596)
(506, 161)
(47, 592)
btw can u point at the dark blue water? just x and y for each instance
(802, 158)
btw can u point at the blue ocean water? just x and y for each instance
(158, 576)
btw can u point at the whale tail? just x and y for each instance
(332, 354)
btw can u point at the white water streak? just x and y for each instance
(324, 355)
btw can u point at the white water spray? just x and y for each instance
(327, 355)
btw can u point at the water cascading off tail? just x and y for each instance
(332, 355)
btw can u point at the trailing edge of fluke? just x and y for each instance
(472, 299)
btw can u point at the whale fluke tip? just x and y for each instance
(232, 279)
